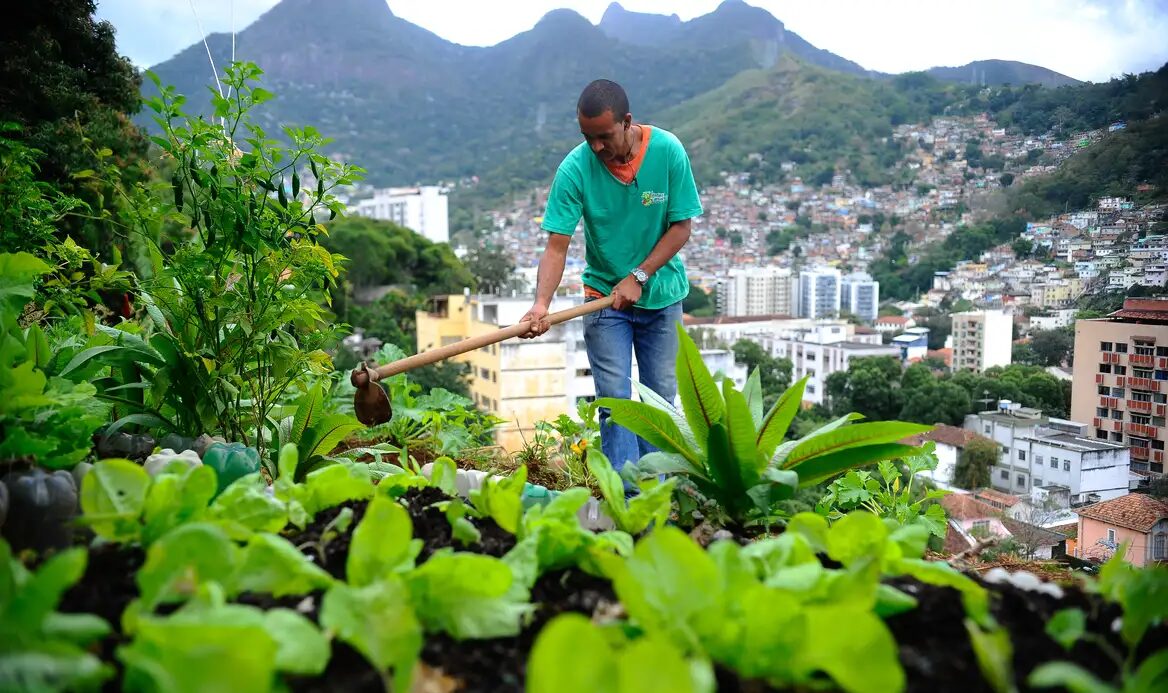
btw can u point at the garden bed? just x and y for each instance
(933, 644)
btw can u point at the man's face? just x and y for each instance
(607, 136)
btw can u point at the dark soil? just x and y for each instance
(935, 648)
(430, 525)
(500, 664)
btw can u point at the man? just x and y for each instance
(634, 188)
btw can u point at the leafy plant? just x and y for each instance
(313, 431)
(40, 647)
(572, 655)
(886, 497)
(43, 418)
(236, 309)
(733, 454)
(1140, 592)
(650, 507)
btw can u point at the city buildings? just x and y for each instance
(982, 339)
(1121, 379)
(819, 349)
(860, 296)
(819, 293)
(1137, 520)
(423, 210)
(755, 291)
(1050, 457)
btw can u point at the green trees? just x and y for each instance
(698, 303)
(975, 463)
(1049, 348)
(381, 253)
(69, 92)
(493, 268)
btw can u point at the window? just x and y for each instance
(1160, 546)
(494, 376)
(1100, 433)
(1021, 481)
(1161, 375)
(1102, 412)
(988, 429)
(1141, 420)
(1121, 348)
(1161, 351)
(1116, 437)
(484, 374)
(1066, 465)
(1105, 346)
(1004, 474)
(1105, 368)
(1157, 444)
(1119, 370)
(1104, 390)
(1157, 420)
(1117, 414)
(1141, 396)
(1117, 392)
(583, 372)
(1143, 373)
(983, 526)
(1038, 459)
(1054, 463)
(1022, 455)
(1111, 535)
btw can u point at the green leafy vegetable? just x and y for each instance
(382, 543)
(468, 596)
(379, 622)
(113, 495)
(501, 499)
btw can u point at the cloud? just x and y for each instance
(1085, 39)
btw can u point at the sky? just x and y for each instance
(1090, 40)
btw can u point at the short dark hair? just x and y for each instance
(603, 95)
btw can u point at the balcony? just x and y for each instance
(1144, 384)
(1142, 430)
(1111, 357)
(1138, 406)
(1097, 422)
(1117, 425)
(1109, 402)
(1120, 381)
(1158, 456)
(1162, 363)
(1142, 360)
(1141, 453)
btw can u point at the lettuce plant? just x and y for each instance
(733, 453)
(635, 515)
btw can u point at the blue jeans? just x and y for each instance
(611, 337)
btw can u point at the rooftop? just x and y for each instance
(996, 497)
(946, 435)
(1073, 442)
(735, 319)
(965, 507)
(861, 346)
(1032, 534)
(1151, 310)
(1137, 511)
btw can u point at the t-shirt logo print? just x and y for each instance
(652, 198)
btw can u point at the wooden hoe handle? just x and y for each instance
(470, 344)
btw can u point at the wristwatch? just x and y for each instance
(639, 275)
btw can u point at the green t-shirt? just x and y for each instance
(623, 222)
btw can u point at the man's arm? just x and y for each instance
(551, 272)
(628, 291)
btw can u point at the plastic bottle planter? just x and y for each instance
(162, 459)
(231, 461)
(41, 509)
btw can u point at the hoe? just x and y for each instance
(371, 400)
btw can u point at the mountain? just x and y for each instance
(999, 72)
(411, 107)
(639, 28)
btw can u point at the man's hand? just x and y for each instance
(539, 325)
(626, 293)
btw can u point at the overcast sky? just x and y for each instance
(1085, 39)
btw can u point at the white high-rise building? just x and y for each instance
(423, 210)
(982, 339)
(860, 296)
(819, 293)
(755, 291)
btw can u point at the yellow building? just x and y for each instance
(520, 380)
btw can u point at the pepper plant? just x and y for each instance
(732, 454)
(236, 307)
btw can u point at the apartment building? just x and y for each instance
(527, 380)
(819, 293)
(1051, 457)
(1120, 374)
(424, 210)
(982, 339)
(755, 291)
(817, 350)
(860, 296)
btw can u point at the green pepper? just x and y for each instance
(231, 461)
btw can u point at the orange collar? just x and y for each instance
(628, 171)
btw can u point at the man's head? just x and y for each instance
(605, 120)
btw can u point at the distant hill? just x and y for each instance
(639, 28)
(1001, 72)
(1117, 166)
